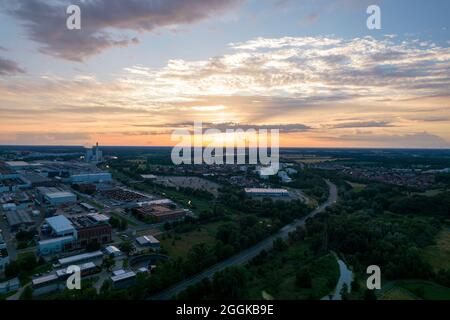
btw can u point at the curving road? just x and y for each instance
(248, 254)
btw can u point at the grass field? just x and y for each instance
(425, 289)
(429, 193)
(180, 245)
(438, 255)
(397, 293)
(357, 187)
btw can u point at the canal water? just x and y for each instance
(345, 277)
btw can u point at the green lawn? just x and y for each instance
(438, 255)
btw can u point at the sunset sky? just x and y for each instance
(139, 69)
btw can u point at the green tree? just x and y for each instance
(109, 262)
(126, 247)
(230, 283)
(106, 287)
(123, 224)
(27, 293)
(303, 278)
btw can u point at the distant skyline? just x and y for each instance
(139, 69)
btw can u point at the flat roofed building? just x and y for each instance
(61, 226)
(60, 197)
(143, 270)
(80, 258)
(55, 245)
(85, 268)
(113, 250)
(148, 241)
(124, 280)
(87, 206)
(98, 217)
(262, 192)
(7, 173)
(91, 177)
(118, 272)
(9, 207)
(160, 212)
(19, 219)
(36, 180)
(17, 165)
(149, 176)
(44, 280)
(91, 229)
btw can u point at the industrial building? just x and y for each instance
(94, 154)
(284, 177)
(64, 234)
(19, 220)
(57, 280)
(46, 284)
(61, 226)
(55, 245)
(148, 241)
(91, 177)
(113, 250)
(80, 258)
(149, 176)
(86, 269)
(56, 196)
(36, 180)
(88, 207)
(7, 173)
(21, 200)
(90, 230)
(17, 165)
(73, 233)
(160, 212)
(62, 197)
(13, 184)
(122, 279)
(98, 217)
(262, 192)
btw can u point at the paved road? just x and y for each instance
(249, 253)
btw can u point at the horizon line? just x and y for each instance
(162, 146)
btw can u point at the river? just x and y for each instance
(345, 277)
